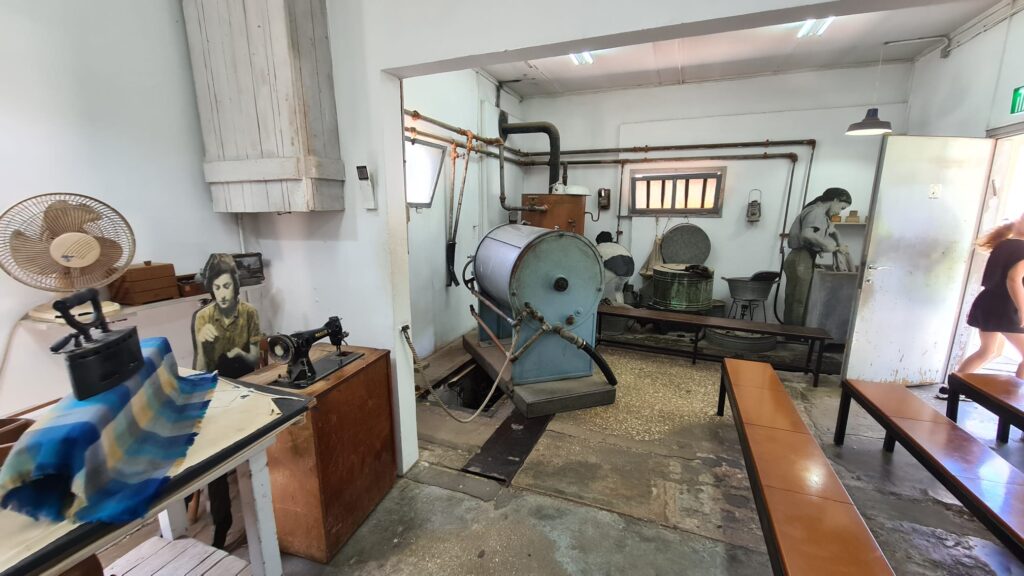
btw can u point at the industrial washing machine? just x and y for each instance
(538, 291)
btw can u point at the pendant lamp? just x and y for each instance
(872, 125)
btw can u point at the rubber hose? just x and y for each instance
(599, 360)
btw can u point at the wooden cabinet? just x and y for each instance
(265, 92)
(565, 211)
(329, 473)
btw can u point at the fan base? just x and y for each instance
(46, 313)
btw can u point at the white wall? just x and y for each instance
(954, 96)
(97, 99)
(440, 313)
(1011, 71)
(969, 92)
(809, 105)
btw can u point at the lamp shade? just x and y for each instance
(871, 125)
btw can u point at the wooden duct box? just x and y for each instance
(145, 283)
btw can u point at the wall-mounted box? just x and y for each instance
(265, 90)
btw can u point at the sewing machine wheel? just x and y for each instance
(281, 348)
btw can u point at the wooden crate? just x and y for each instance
(145, 283)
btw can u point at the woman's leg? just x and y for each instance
(991, 347)
(1017, 340)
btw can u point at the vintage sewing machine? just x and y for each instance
(294, 349)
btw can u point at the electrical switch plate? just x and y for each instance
(366, 188)
(934, 190)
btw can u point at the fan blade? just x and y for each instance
(61, 217)
(33, 255)
(110, 255)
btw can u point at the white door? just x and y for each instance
(921, 226)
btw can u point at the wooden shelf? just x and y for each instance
(850, 223)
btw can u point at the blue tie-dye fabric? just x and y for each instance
(106, 458)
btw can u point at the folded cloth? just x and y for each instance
(106, 458)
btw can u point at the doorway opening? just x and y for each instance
(1004, 201)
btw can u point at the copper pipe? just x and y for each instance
(487, 330)
(415, 115)
(420, 135)
(675, 147)
(492, 306)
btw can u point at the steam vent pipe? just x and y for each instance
(554, 141)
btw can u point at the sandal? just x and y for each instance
(943, 394)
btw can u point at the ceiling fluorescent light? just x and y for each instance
(824, 25)
(806, 28)
(582, 58)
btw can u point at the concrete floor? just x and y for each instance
(622, 501)
(654, 484)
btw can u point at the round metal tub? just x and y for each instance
(677, 289)
(740, 341)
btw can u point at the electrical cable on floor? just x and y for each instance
(418, 369)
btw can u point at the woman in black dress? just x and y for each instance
(998, 311)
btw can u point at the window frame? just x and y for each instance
(437, 177)
(673, 175)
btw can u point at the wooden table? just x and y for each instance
(240, 424)
(331, 471)
(1001, 394)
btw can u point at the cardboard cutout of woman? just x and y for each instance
(225, 335)
(811, 234)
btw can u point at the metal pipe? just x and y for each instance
(487, 331)
(492, 306)
(554, 140)
(415, 115)
(943, 51)
(676, 147)
(502, 199)
(417, 133)
(792, 157)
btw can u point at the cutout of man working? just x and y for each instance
(225, 337)
(811, 234)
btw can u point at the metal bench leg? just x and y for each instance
(889, 444)
(721, 394)
(696, 339)
(810, 355)
(817, 367)
(952, 404)
(1003, 431)
(844, 415)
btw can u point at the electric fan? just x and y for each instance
(64, 243)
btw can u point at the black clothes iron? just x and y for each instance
(96, 363)
(294, 349)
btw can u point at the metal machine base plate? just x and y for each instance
(542, 398)
(323, 367)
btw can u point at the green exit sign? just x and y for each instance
(1017, 102)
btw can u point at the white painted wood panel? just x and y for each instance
(264, 87)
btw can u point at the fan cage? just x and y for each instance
(27, 217)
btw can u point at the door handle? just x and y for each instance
(874, 267)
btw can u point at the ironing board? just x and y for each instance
(241, 422)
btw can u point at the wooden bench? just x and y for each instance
(813, 336)
(810, 524)
(980, 479)
(181, 557)
(1001, 394)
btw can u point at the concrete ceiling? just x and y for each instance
(851, 40)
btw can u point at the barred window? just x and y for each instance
(671, 192)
